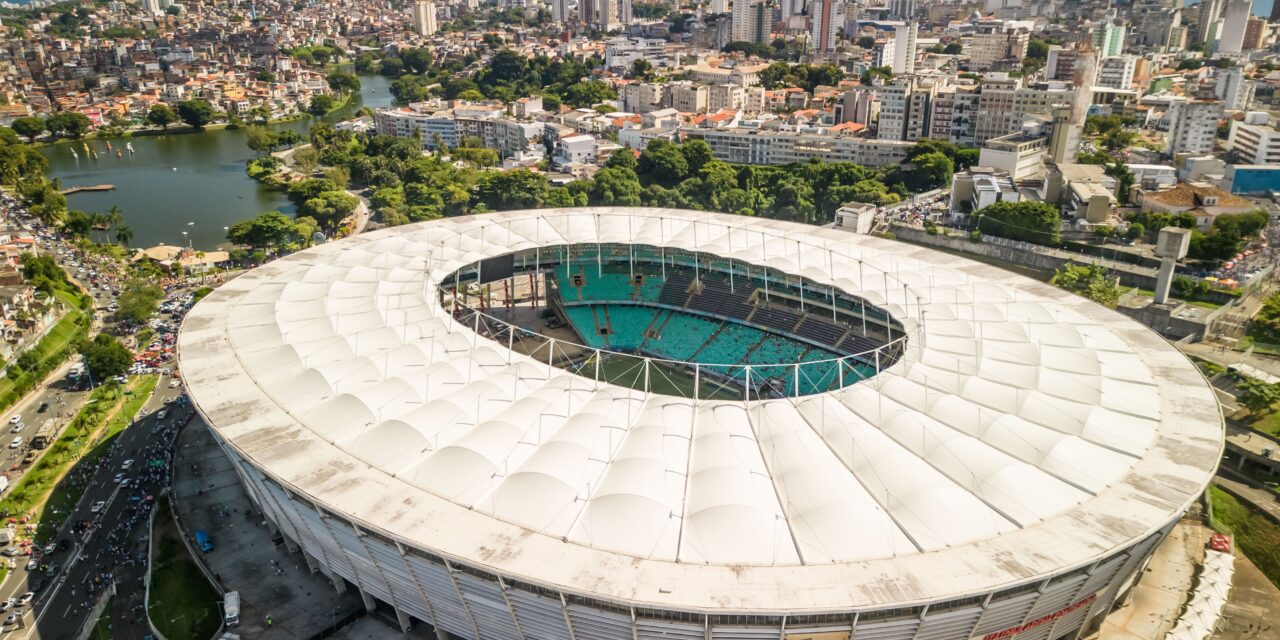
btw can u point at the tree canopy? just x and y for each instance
(105, 357)
(1036, 222)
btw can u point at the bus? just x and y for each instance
(46, 435)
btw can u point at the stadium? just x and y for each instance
(627, 423)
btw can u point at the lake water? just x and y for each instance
(193, 182)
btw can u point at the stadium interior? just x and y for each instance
(676, 322)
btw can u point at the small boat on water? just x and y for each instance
(86, 148)
(129, 146)
(95, 154)
(73, 152)
(119, 154)
(108, 145)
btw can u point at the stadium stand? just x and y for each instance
(719, 299)
(628, 323)
(675, 290)
(583, 320)
(681, 337)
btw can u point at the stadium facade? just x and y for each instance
(747, 429)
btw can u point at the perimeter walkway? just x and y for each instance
(1157, 600)
(271, 580)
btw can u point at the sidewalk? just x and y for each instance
(271, 580)
(1157, 600)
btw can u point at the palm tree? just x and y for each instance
(115, 217)
(98, 223)
(123, 234)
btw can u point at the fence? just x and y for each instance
(96, 612)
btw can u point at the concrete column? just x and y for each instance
(312, 565)
(1164, 278)
(339, 584)
(403, 619)
(1240, 465)
(369, 603)
(441, 634)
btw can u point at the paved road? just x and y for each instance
(1259, 498)
(113, 548)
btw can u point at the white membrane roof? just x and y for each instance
(1024, 431)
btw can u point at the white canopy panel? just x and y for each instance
(1020, 417)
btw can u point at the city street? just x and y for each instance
(113, 547)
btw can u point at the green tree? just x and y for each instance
(585, 94)
(269, 230)
(866, 42)
(306, 159)
(261, 139)
(953, 49)
(1090, 281)
(418, 59)
(615, 186)
(137, 301)
(344, 82)
(697, 153)
(161, 116)
(930, 171)
(517, 189)
(69, 124)
(321, 104)
(1036, 222)
(663, 163)
(1257, 396)
(105, 357)
(30, 127)
(196, 113)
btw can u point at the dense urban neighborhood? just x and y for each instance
(621, 319)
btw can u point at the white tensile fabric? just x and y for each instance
(1012, 404)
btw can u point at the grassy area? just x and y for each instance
(52, 349)
(183, 602)
(102, 628)
(44, 491)
(1255, 535)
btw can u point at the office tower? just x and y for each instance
(752, 21)
(151, 6)
(904, 50)
(791, 8)
(624, 11)
(1235, 18)
(424, 17)
(719, 6)
(587, 12)
(607, 16)
(828, 17)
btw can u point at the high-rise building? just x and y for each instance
(1235, 18)
(151, 6)
(1207, 20)
(624, 11)
(1060, 63)
(560, 11)
(1108, 38)
(902, 9)
(904, 50)
(752, 21)
(1193, 124)
(1254, 31)
(1231, 87)
(791, 8)
(424, 17)
(993, 42)
(1116, 72)
(587, 12)
(828, 18)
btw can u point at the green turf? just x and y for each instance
(1255, 535)
(183, 602)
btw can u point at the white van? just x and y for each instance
(17, 443)
(231, 604)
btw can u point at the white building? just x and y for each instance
(151, 6)
(904, 49)
(560, 11)
(827, 18)
(1257, 143)
(752, 21)
(1234, 20)
(1231, 87)
(1193, 124)
(776, 147)
(424, 17)
(1116, 72)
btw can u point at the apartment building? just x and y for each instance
(1193, 124)
(777, 147)
(1257, 143)
(994, 42)
(1003, 105)
(1116, 72)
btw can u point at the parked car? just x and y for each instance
(97, 506)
